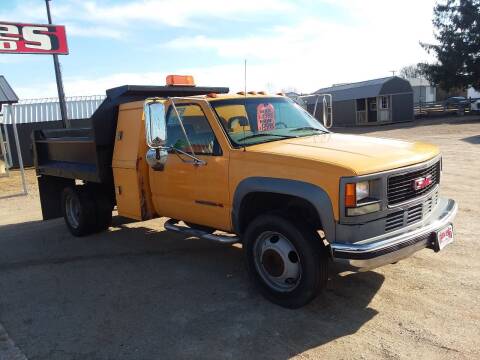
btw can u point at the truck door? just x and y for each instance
(194, 193)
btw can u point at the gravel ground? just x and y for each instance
(138, 292)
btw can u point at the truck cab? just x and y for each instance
(251, 168)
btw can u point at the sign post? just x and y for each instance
(58, 76)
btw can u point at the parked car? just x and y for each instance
(475, 106)
(456, 102)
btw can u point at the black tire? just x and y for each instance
(79, 210)
(103, 209)
(312, 255)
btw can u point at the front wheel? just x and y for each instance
(287, 261)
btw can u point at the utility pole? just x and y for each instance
(393, 72)
(58, 75)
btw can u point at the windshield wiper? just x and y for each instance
(309, 128)
(266, 134)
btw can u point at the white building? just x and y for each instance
(473, 94)
(423, 91)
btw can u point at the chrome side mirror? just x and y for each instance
(156, 133)
(155, 123)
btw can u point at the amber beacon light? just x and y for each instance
(180, 80)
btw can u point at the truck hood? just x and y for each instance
(362, 154)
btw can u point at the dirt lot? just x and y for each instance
(137, 292)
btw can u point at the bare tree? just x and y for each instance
(411, 72)
(290, 89)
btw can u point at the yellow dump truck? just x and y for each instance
(250, 168)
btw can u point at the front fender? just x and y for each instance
(315, 195)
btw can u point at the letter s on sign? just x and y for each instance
(30, 34)
(8, 42)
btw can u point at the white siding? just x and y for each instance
(39, 110)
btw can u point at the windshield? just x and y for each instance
(252, 121)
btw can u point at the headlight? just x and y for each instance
(362, 190)
(359, 200)
(355, 192)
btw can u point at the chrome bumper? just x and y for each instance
(389, 248)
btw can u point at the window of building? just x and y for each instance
(385, 102)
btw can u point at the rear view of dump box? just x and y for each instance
(71, 153)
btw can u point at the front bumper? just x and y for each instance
(389, 248)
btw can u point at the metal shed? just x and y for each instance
(7, 95)
(385, 100)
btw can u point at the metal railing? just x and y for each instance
(327, 107)
(4, 155)
(446, 107)
(5, 144)
(6, 149)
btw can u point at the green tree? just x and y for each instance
(457, 31)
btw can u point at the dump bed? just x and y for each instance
(62, 156)
(71, 153)
(86, 154)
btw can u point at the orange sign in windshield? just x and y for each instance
(265, 117)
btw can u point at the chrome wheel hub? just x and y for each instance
(277, 261)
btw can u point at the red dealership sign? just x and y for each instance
(16, 38)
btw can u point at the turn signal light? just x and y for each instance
(350, 195)
(180, 80)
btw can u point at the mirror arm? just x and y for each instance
(196, 160)
(183, 129)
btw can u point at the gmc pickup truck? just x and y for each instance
(250, 168)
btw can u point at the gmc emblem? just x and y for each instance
(422, 183)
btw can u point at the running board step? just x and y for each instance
(172, 225)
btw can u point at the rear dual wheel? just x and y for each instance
(286, 260)
(85, 210)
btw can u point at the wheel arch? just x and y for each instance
(254, 192)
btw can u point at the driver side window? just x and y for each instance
(196, 126)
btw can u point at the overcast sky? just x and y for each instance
(303, 44)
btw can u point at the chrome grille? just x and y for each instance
(430, 203)
(414, 214)
(394, 221)
(400, 187)
(411, 215)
